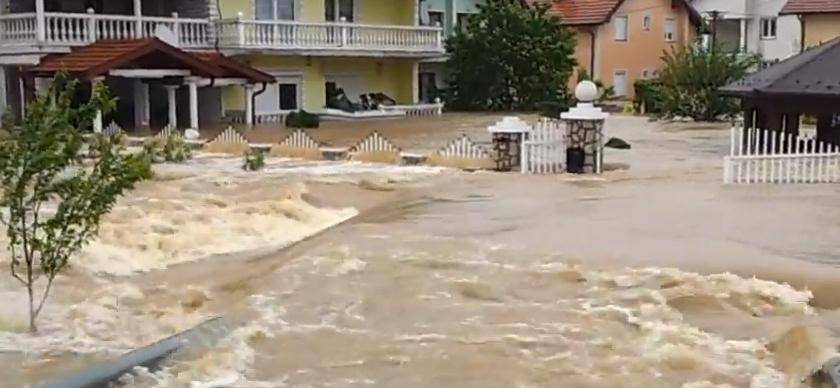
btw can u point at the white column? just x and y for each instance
(743, 42)
(97, 121)
(40, 21)
(138, 16)
(141, 104)
(415, 82)
(172, 105)
(193, 86)
(249, 105)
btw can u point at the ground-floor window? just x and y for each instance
(283, 96)
(428, 86)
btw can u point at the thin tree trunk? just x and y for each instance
(32, 327)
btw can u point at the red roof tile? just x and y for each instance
(811, 6)
(586, 12)
(99, 58)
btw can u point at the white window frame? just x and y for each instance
(626, 82)
(669, 29)
(284, 77)
(295, 5)
(765, 24)
(647, 21)
(626, 32)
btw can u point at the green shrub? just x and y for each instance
(648, 95)
(691, 77)
(152, 151)
(176, 149)
(552, 109)
(302, 119)
(254, 160)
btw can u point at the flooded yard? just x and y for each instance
(341, 274)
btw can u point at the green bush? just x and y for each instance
(176, 149)
(153, 151)
(254, 160)
(691, 77)
(648, 94)
(552, 109)
(302, 119)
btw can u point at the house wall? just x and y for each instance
(821, 28)
(643, 49)
(390, 76)
(583, 53)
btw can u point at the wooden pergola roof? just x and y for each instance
(99, 58)
(813, 73)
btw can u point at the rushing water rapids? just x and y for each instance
(452, 279)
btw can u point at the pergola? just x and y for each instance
(809, 83)
(152, 58)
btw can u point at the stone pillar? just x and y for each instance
(249, 105)
(172, 105)
(141, 104)
(97, 121)
(193, 87)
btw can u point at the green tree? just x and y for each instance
(510, 57)
(690, 78)
(41, 168)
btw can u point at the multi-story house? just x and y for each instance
(753, 26)
(309, 46)
(621, 41)
(452, 15)
(820, 19)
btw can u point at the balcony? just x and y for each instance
(25, 34)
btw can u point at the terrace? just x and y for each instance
(25, 34)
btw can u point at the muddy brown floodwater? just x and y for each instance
(654, 275)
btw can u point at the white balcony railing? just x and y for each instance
(75, 29)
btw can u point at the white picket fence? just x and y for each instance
(544, 148)
(375, 143)
(229, 136)
(112, 129)
(463, 148)
(763, 156)
(300, 139)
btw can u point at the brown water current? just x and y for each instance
(654, 275)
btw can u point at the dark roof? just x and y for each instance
(233, 68)
(810, 6)
(813, 72)
(590, 12)
(98, 58)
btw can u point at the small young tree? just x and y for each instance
(41, 167)
(690, 78)
(510, 56)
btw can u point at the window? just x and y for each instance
(620, 83)
(646, 22)
(463, 20)
(288, 96)
(621, 28)
(768, 28)
(274, 9)
(670, 29)
(435, 18)
(344, 7)
(428, 87)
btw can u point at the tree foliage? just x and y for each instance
(54, 199)
(510, 57)
(690, 78)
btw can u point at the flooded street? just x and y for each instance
(338, 274)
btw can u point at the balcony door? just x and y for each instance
(334, 10)
(274, 9)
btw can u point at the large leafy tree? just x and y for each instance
(690, 78)
(53, 198)
(510, 56)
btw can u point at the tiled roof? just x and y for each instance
(587, 12)
(98, 58)
(811, 6)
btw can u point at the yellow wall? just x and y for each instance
(393, 77)
(643, 49)
(820, 28)
(394, 12)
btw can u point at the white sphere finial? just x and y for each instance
(586, 91)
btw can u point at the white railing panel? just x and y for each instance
(18, 28)
(764, 156)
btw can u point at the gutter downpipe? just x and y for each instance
(593, 35)
(254, 100)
